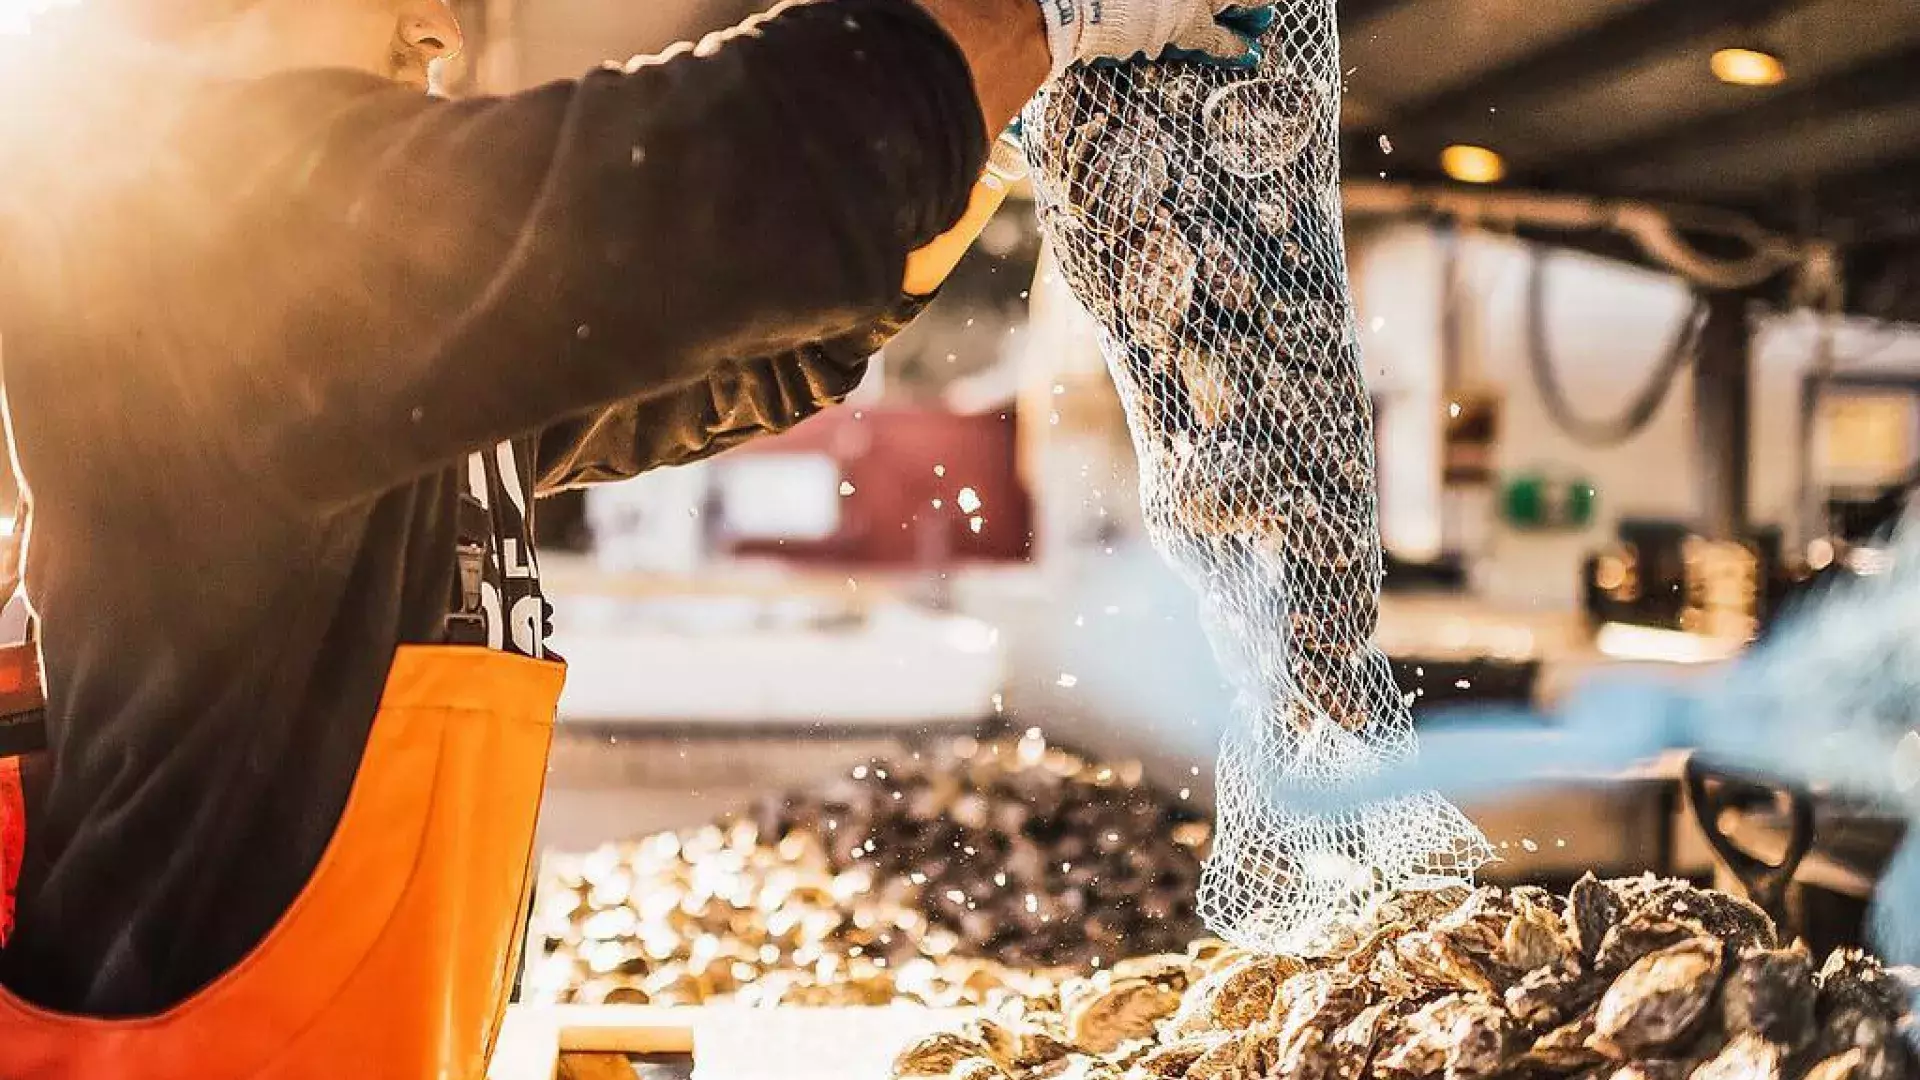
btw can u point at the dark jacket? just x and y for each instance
(261, 337)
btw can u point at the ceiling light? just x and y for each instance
(1749, 67)
(1473, 164)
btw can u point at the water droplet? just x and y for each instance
(846, 488)
(1386, 145)
(583, 331)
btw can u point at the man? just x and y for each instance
(290, 347)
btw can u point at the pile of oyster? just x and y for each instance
(1631, 979)
(718, 913)
(952, 878)
(1032, 855)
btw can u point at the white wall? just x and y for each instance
(1609, 324)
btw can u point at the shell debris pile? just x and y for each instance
(1629, 979)
(957, 876)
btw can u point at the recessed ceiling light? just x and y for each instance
(1748, 67)
(1473, 164)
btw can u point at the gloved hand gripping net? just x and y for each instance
(1196, 213)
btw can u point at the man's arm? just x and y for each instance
(1005, 42)
(740, 402)
(437, 276)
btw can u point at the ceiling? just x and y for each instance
(1615, 97)
(1607, 97)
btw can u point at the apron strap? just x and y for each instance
(23, 695)
(23, 730)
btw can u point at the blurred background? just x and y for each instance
(1637, 282)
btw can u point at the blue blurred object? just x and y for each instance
(1830, 703)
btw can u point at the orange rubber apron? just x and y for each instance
(396, 960)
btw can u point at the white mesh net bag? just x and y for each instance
(1196, 213)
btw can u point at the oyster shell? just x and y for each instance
(1235, 998)
(1747, 1057)
(1536, 937)
(978, 1069)
(1170, 970)
(1172, 1060)
(1851, 979)
(1733, 919)
(1239, 1055)
(937, 1056)
(1770, 993)
(1849, 1065)
(1455, 1034)
(1128, 1009)
(1593, 907)
(1658, 1000)
(1639, 934)
(1548, 996)
(1567, 1047)
(1652, 1069)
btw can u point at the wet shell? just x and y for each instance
(1850, 1065)
(937, 1055)
(1326, 1000)
(1353, 1045)
(1173, 1060)
(1171, 970)
(1548, 996)
(1158, 289)
(1256, 126)
(1037, 1047)
(1568, 1046)
(1081, 1067)
(1850, 979)
(1485, 1042)
(1733, 919)
(1884, 1053)
(1235, 998)
(1417, 1044)
(1129, 1009)
(1242, 1054)
(1002, 1044)
(1315, 1055)
(1639, 934)
(1656, 1001)
(1129, 1052)
(1536, 937)
(1652, 1069)
(1747, 1057)
(978, 1069)
(1771, 994)
(1460, 956)
(1212, 954)
(1593, 907)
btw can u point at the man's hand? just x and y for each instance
(1222, 31)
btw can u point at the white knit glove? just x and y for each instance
(1220, 31)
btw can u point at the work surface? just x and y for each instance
(721, 1043)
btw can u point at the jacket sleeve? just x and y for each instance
(442, 275)
(740, 401)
